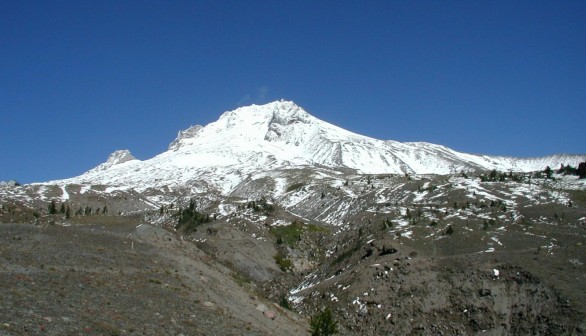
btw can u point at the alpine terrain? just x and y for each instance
(270, 221)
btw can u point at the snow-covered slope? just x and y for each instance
(279, 135)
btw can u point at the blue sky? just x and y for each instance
(80, 79)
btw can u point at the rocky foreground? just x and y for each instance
(125, 279)
(387, 254)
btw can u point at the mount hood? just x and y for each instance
(282, 135)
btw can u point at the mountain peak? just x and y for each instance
(116, 158)
(268, 121)
(120, 156)
(185, 134)
(282, 108)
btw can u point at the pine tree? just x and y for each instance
(449, 230)
(190, 218)
(582, 170)
(492, 175)
(52, 208)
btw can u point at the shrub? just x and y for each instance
(294, 186)
(323, 324)
(449, 231)
(284, 263)
(283, 302)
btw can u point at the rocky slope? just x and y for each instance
(120, 278)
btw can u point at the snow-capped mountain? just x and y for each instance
(351, 237)
(282, 135)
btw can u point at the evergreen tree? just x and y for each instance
(492, 175)
(189, 219)
(582, 170)
(449, 230)
(52, 208)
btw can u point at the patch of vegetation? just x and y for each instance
(288, 234)
(569, 170)
(494, 176)
(284, 263)
(291, 234)
(283, 302)
(294, 187)
(240, 279)
(261, 205)
(323, 323)
(189, 219)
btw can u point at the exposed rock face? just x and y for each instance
(185, 134)
(116, 158)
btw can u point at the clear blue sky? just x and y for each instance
(80, 79)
